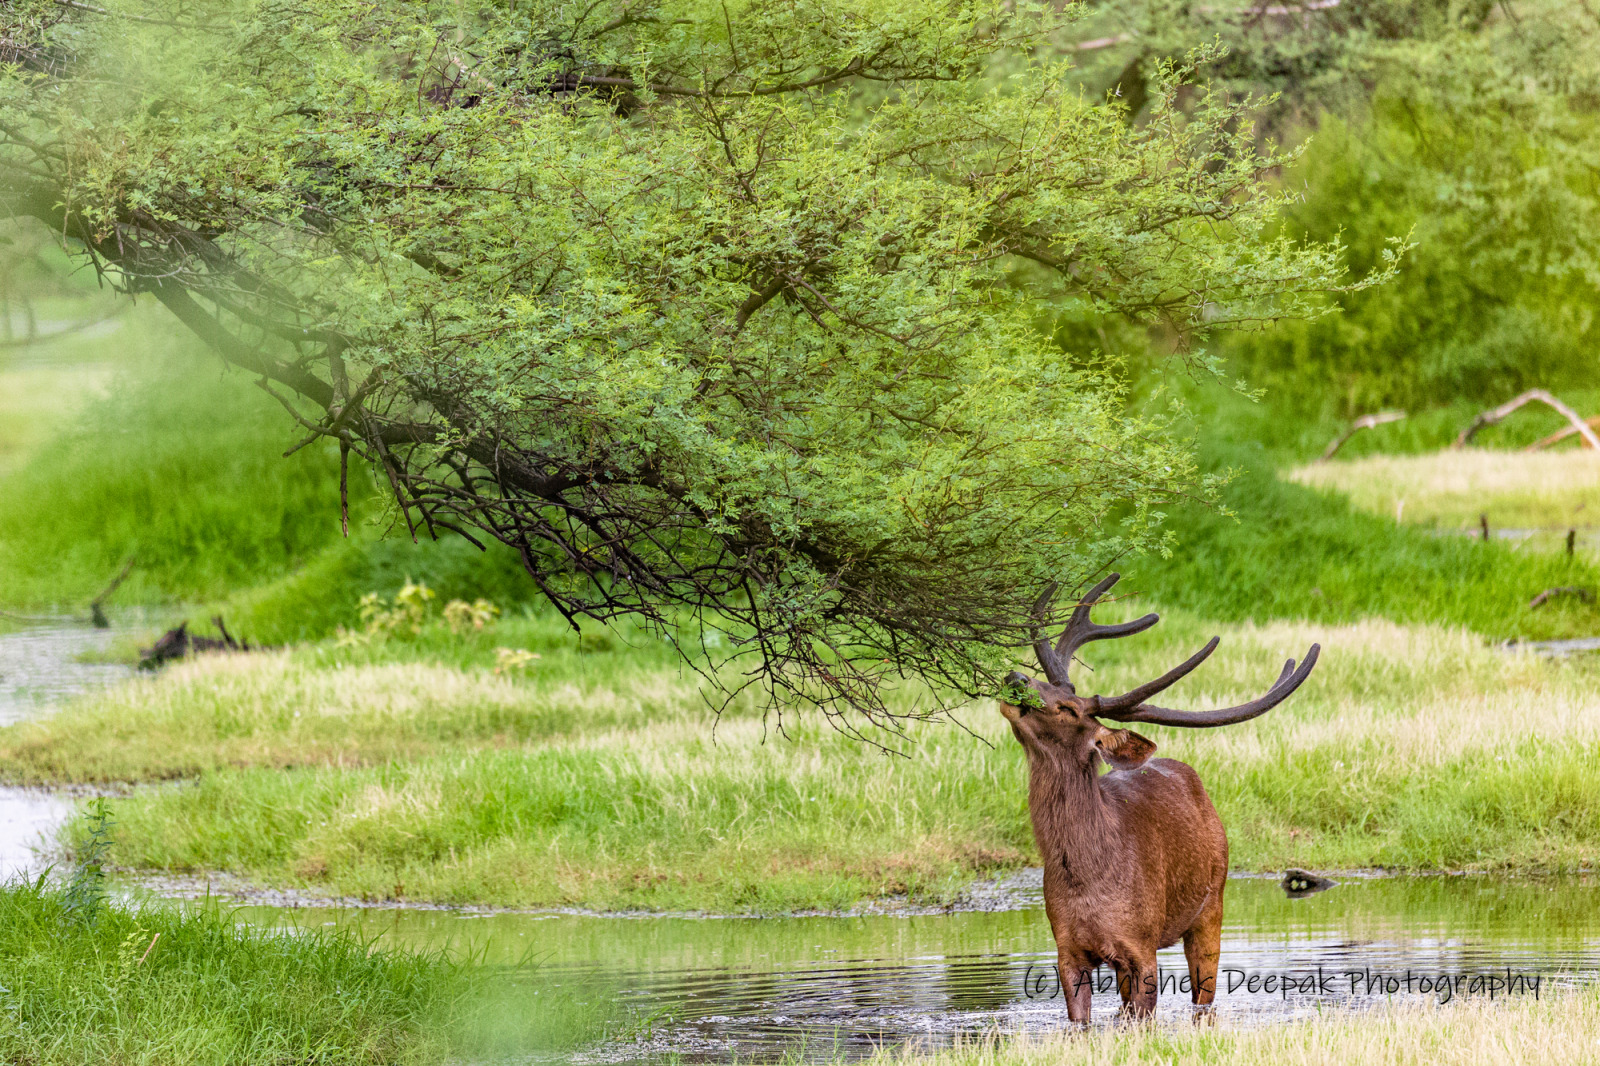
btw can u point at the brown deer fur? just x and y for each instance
(1135, 859)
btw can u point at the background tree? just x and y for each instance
(717, 313)
(1471, 126)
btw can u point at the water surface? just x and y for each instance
(42, 665)
(758, 989)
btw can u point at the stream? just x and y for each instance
(720, 990)
(762, 989)
(42, 664)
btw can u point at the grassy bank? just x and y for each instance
(1520, 1032)
(175, 465)
(154, 986)
(594, 778)
(1451, 489)
(1286, 551)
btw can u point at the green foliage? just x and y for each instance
(700, 307)
(405, 614)
(85, 891)
(1476, 136)
(1498, 294)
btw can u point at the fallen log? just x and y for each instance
(179, 643)
(1299, 883)
(1497, 414)
(1586, 595)
(1561, 435)
(1378, 418)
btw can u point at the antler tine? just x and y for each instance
(1133, 697)
(1080, 630)
(1049, 662)
(1289, 680)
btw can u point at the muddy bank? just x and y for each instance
(1018, 891)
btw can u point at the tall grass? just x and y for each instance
(177, 467)
(1288, 551)
(176, 464)
(148, 985)
(1410, 747)
(316, 599)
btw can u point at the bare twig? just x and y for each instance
(75, 5)
(1496, 414)
(97, 605)
(1561, 435)
(1364, 422)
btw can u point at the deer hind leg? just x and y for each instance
(1202, 947)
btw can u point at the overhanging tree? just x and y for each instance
(721, 311)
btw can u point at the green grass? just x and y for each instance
(1522, 1031)
(154, 985)
(176, 466)
(1287, 551)
(597, 779)
(316, 599)
(35, 400)
(160, 456)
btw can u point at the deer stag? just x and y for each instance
(1136, 858)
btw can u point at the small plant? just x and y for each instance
(513, 660)
(461, 616)
(411, 611)
(405, 614)
(85, 893)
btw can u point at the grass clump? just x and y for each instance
(1523, 1031)
(358, 704)
(601, 782)
(145, 985)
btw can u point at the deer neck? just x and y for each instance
(1071, 819)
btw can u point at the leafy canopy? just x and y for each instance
(721, 311)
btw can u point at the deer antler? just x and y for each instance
(1130, 706)
(1057, 661)
(1138, 711)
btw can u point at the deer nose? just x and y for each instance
(1017, 677)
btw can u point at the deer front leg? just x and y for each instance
(1202, 948)
(1139, 982)
(1077, 986)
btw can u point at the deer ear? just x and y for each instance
(1123, 748)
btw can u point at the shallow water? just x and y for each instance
(40, 667)
(725, 989)
(29, 818)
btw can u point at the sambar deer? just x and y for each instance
(1136, 858)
